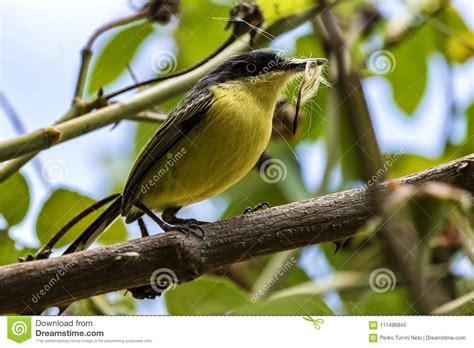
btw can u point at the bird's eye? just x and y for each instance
(251, 67)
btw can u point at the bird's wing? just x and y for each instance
(186, 115)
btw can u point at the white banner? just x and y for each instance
(238, 332)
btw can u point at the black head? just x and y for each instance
(254, 64)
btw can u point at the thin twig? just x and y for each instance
(86, 52)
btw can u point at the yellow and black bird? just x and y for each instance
(210, 141)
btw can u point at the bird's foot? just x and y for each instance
(191, 222)
(44, 254)
(187, 227)
(258, 207)
(144, 292)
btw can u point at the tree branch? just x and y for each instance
(30, 286)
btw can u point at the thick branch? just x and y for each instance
(125, 265)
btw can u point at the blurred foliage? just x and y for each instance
(15, 189)
(395, 302)
(275, 9)
(210, 295)
(61, 206)
(206, 295)
(112, 60)
(104, 305)
(291, 305)
(10, 251)
(197, 33)
(408, 88)
(201, 21)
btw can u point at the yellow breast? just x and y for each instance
(218, 152)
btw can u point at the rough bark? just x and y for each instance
(329, 218)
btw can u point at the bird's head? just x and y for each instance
(266, 71)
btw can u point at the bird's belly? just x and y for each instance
(216, 154)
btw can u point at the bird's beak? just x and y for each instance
(297, 64)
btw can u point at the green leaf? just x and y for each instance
(458, 46)
(408, 60)
(346, 281)
(408, 67)
(296, 276)
(469, 143)
(249, 271)
(290, 305)
(200, 31)
(207, 295)
(61, 207)
(104, 305)
(14, 199)
(281, 271)
(119, 51)
(394, 302)
(408, 163)
(351, 257)
(288, 169)
(9, 252)
(276, 9)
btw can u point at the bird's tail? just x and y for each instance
(97, 227)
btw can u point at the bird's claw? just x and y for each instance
(144, 292)
(39, 256)
(195, 222)
(187, 229)
(258, 207)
